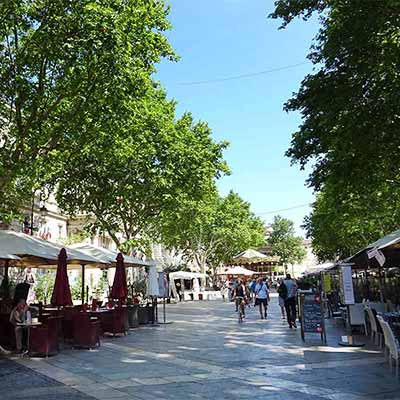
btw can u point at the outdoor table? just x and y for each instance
(50, 308)
(28, 327)
(103, 315)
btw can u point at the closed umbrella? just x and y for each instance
(152, 282)
(61, 292)
(119, 288)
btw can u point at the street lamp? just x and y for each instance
(42, 211)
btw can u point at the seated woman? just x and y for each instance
(18, 315)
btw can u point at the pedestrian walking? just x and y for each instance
(282, 294)
(225, 290)
(252, 287)
(290, 301)
(262, 297)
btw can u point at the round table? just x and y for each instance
(28, 326)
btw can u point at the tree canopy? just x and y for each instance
(342, 222)
(126, 177)
(214, 230)
(62, 63)
(284, 243)
(350, 108)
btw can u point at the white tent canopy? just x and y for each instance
(249, 254)
(108, 256)
(186, 275)
(316, 269)
(38, 252)
(238, 271)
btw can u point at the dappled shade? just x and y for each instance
(119, 288)
(61, 292)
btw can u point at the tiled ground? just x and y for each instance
(20, 382)
(206, 354)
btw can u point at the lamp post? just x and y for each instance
(42, 211)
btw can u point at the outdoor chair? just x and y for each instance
(115, 323)
(392, 345)
(7, 335)
(67, 323)
(44, 338)
(378, 307)
(86, 331)
(357, 315)
(390, 306)
(383, 324)
(376, 335)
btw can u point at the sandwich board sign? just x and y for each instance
(312, 315)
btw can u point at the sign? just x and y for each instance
(312, 315)
(346, 285)
(378, 255)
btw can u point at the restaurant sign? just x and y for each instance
(346, 285)
(378, 255)
(312, 315)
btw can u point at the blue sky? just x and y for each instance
(224, 38)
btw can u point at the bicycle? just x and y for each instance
(242, 304)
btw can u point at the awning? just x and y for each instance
(7, 256)
(109, 257)
(317, 269)
(249, 254)
(40, 253)
(390, 247)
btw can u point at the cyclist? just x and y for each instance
(239, 294)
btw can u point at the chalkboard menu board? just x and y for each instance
(312, 315)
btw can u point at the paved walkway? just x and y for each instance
(206, 354)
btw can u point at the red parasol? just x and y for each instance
(61, 292)
(119, 288)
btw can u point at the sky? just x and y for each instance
(219, 39)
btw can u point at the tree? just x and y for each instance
(135, 167)
(212, 231)
(350, 105)
(284, 243)
(44, 286)
(344, 221)
(61, 63)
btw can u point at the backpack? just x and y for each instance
(282, 291)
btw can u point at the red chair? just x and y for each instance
(7, 335)
(115, 322)
(86, 331)
(44, 338)
(67, 323)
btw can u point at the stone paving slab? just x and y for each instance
(206, 354)
(22, 383)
